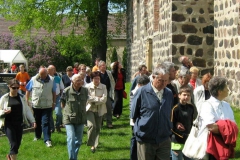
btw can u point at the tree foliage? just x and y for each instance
(46, 50)
(114, 56)
(88, 16)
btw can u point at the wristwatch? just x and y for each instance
(54, 103)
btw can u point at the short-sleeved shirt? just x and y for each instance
(30, 84)
(24, 78)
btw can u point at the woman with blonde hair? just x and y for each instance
(195, 81)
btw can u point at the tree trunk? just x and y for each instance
(99, 28)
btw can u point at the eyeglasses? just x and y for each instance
(83, 69)
(15, 88)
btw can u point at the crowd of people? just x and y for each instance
(163, 106)
(81, 97)
(163, 112)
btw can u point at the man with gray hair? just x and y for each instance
(142, 80)
(43, 90)
(169, 67)
(107, 79)
(151, 111)
(73, 101)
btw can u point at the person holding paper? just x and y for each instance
(14, 115)
(96, 108)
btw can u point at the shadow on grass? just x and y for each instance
(110, 149)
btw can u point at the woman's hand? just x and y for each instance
(213, 128)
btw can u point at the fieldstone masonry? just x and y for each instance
(227, 49)
(207, 31)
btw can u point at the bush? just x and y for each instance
(114, 56)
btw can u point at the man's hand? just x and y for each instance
(53, 106)
(180, 126)
(213, 128)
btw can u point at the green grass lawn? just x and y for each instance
(114, 143)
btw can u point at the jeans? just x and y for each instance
(74, 139)
(52, 128)
(58, 112)
(42, 117)
(178, 155)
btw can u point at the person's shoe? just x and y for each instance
(8, 157)
(48, 143)
(93, 149)
(117, 116)
(109, 126)
(52, 130)
(58, 129)
(36, 139)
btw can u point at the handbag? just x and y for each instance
(196, 144)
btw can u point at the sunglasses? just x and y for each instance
(15, 87)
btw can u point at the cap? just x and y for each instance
(69, 68)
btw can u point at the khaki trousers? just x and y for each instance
(94, 123)
(149, 151)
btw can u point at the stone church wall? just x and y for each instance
(193, 32)
(207, 31)
(227, 48)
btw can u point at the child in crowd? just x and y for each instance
(182, 119)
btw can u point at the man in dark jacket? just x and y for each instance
(151, 111)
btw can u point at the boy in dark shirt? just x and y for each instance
(182, 119)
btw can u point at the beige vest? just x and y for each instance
(42, 96)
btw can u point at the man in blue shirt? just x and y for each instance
(43, 100)
(151, 111)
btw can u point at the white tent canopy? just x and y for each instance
(13, 56)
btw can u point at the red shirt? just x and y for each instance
(119, 83)
(14, 67)
(193, 83)
(75, 71)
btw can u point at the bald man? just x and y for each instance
(59, 88)
(43, 99)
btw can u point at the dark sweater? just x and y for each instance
(16, 115)
(182, 114)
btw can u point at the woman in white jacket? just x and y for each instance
(14, 114)
(96, 108)
(202, 93)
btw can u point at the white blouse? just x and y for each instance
(213, 110)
